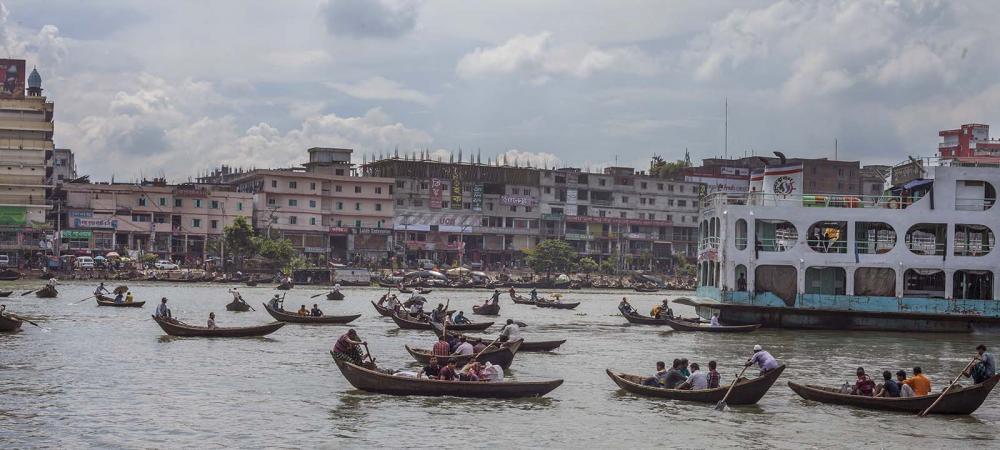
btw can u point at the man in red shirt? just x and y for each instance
(441, 347)
(448, 373)
(348, 347)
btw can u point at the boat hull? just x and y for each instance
(336, 295)
(177, 328)
(960, 400)
(746, 392)
(8, 324)
(108, 301)
(408, 324)
(502, 356)
(283, 316)
(380, 383)
(486, 310)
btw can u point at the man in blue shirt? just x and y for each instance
(889, 387)
(986, 368)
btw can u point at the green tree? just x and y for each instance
(608, 266)
(279, 251)
(587, 265)
(683, 266)
(239, 241)
(551, 256)
(660, 168)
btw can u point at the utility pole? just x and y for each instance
(725, 145)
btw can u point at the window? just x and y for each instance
(652, 216)
(467, 205)
(600, 213)
(340, 205)
(624, 199)
(163, 201)
(652, 201)
(682, 203)
(445, 205)
(357, 189)
(271, 201)
(642, 200)
(378, 207)
(197, 203)
(357, 223)
(527, 209)
(489, 206)
(513, 209)
(312, 221)
(293, 220)
(400, 184)
(214, 224)
(339, 223)
(659, 186)
(602, 181)
(670, 188)
(140, 218)
(527, 191)
(378, 189)
(312, 187)
(357, 206)
(339, 171)
(293, 202)
(312, 203)
(142, 201)
(239, 206)
(338, 188)
(274, 183)
(214, 204)
(681, 188)
(178, 203)
(642, 185)
(418, 203)
(515, 191)
(399, 202)
(622, 214)
(196, 223)
(293, 185)
(548, 190)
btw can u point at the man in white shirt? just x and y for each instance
(697, 379)
(715, 320)
(763, 359)
(464, 348)
(510, 332)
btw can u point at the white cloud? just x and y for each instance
(538, 58)
(378, 88)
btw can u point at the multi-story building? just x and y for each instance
(25, 150)
(453, 213)
(641, 220)
(972, 139)
(63, 166)
(173, 221)
(324, 208)
(819, 175)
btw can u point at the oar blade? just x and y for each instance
(721, 406)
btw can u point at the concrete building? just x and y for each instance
(641, 220)
(63, 166)
(972, 139)
(325, 208)
(820, 175)
(175, 222)
(26, 146)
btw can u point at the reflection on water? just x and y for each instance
(104, 378)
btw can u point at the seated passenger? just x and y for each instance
(904, 389)
(316, 312)
(697, 379)
(919, 382)
(864, 384)
(659, 378)
(303, 311)
(889, 387)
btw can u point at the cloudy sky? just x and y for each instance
(174, 88)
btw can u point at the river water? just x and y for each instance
(110, 378)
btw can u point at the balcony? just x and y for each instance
(596, 202)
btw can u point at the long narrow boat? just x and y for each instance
(486, 310)
(251, 283)
(285, 286)
(409, 323)
(237, 306)
(285, 316)
(640, 319)
(8, 323)
(9, 275)
(521, 300)
(420, 290)
(381, 383)
(382, 310)
(557, 305)
(960, 400)
(177, 328)
(103, 300)
(682, 325)
(6, 293)
(534, 346)
(646, 289)
(502, 355)
(335, 295)
(746, 391)
(47, 292)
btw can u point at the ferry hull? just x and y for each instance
(818, 319)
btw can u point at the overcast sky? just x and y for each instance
(179, 87)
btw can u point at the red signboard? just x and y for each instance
(13, 77)
(339, 230)
(436, 193)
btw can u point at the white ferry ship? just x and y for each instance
(918, 258)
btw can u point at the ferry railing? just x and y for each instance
(972, 249)
(828, 246)
(775, 244)
(810, 200)
(873, 247)
(927, 248)
(711, 243)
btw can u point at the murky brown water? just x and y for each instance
(109, 378)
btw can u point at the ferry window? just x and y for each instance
(872, 238)
(828, 237)
(826, 281)
(927, 238)
(741, 235)
(923, 283)
(972, 285)
(875, 282)
(774, 235)
(973, 240)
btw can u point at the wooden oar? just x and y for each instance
(28, 292)
(722, 403)
(81, 301)
(945, 391)
(484, 349)
(444, 331)
(26, 320)
(317, 295)
(369, 354)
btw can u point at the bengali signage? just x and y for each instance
(13, 215)
(13, 78)
(371, 231)
(907, 172)
(712, 185)
(477, 197)
(518, 200)
(456, 190)
(72, 214)
(314, 250)
(339, 230)
(77, 234)
(571, 197)
(436, 193)
(93, 222)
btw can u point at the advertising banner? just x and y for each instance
(13, 78)
(518, 200)
(785, 182)
(74, 234)
(83, 222)
(477, 197)
(13, 215)
(456, 191)
(436, 194)
(571, 197)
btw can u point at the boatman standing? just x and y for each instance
(162, 311)
(101, 290)
(985, 369)
(763, 359)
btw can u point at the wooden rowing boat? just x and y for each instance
(557, 305)
(535, 346)
(382, 310)
(47, 292)
(9, 275)
(8, 324)
(103, 300)
(486, 310)
(409, 323)
(6, 293)
(521, 300)
(640, 319)
(502, 355)
(381, 383)
(237, 306)
(285, 286)
(335, 295)
(175, 327)
(646, 289)
(960, 399)
(681, 325)
(746, 391)
(251, 283)
(285, 316)
(407, 290)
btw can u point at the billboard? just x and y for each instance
(436, 194)
(713, 185)
(783, 181)
(456, 190)
(477, 197)
(13, 215)
(571, 197)
(518, 200)
(13, 78)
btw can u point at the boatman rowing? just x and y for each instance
(763, 359)
(348, 347)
